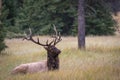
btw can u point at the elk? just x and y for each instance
(52, 62)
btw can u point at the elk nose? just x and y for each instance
(59, 51)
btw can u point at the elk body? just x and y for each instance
(52, 62)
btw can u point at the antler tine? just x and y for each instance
(30, 31)
(47, 42)
(51, 42)
(25, 35)
(54, 36)
(58, 39)
(38, 40)
(30, 38)
(57, 36)
(56, 33)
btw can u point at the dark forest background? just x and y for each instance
(40, 15)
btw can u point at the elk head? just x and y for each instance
(49, 46)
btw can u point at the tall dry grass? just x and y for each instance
(100, 61)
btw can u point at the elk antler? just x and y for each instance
(57, 38)
(30, 38)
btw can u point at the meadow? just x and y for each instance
(100, 61)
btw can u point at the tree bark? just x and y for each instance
(0, 7)
(81, 25)
(0, 10)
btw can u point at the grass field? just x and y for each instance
(100, 61)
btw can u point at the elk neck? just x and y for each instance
(52, 62)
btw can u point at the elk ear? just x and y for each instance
(46, 47)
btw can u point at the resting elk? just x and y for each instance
(52, 62)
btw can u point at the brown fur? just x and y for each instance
(52, 63)
(31, 68)
(52, 57)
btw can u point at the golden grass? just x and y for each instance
(100, 61)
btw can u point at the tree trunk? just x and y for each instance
(0, 10)
(81, 25)
(0, 7)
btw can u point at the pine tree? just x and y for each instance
(2, 37)
(41, 14)
(2, 31)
